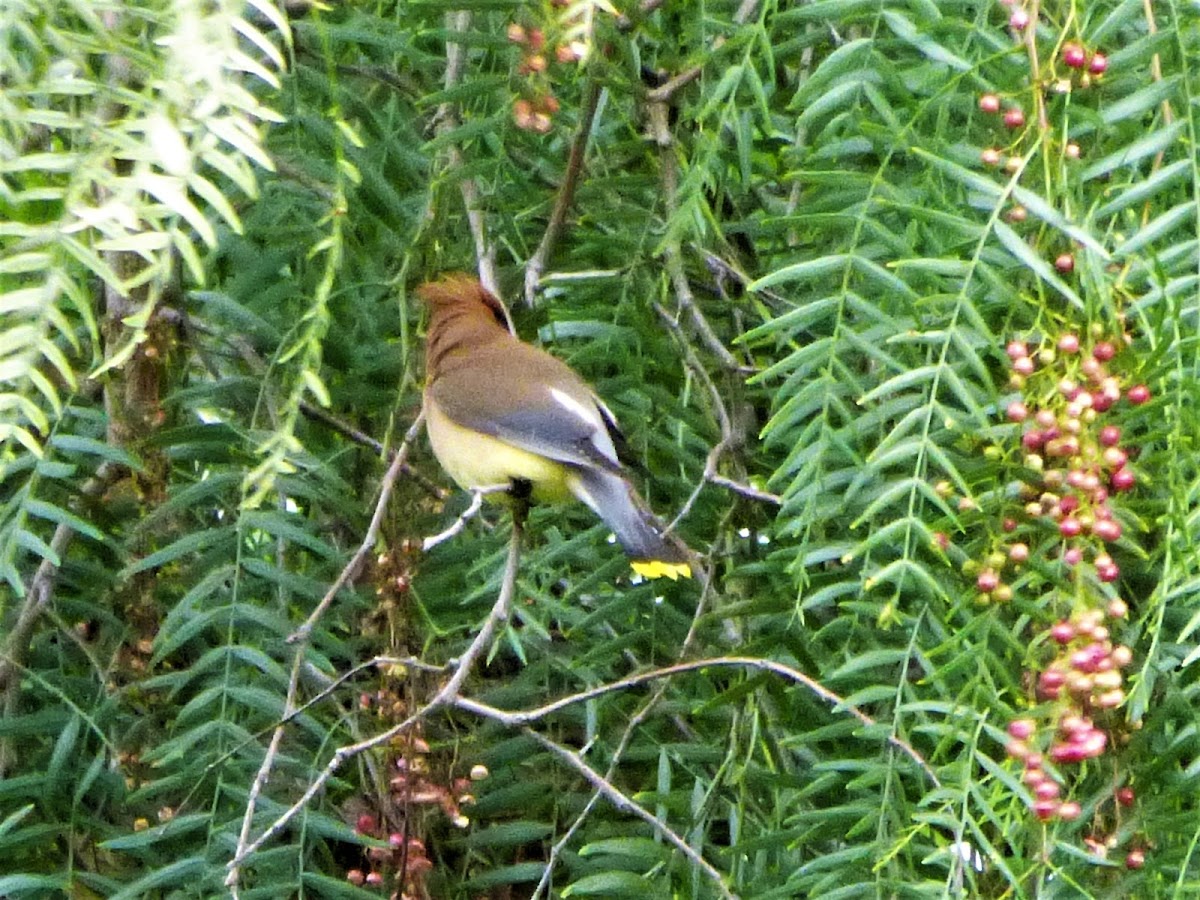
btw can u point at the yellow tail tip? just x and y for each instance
(655, 568)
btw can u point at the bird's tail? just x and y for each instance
(640, 533)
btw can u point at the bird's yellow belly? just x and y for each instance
(477, 460)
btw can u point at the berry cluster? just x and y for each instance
(1080, 469)
(536, 113)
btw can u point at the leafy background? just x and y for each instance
(786, 269)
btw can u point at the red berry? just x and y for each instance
(1065, 263)
(1098, 64)
(1135, 859)
(1074, 56)
(1104, 351)
(1125, 796)
(1110, 436)
(366, 824)
(1014, 117)
(1107, 530)
(989, 103)
(987, 581)
(1045, 809)
(1138, 394)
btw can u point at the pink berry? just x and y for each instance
(1017, 411)
(1022, 729)
(1107, 530)
(356, 877)
(1098, 64)
(1046, 418)
(987, 581)
(1068, 343)
(1074, 56)
(1016, 749)
(1019, 20)
(1117, 609)
(1122, 480)
(1023, 365)
(1065, 263)
(1138, 394)
(1135, 859)
(1014, 117)
(1016, 349)
(1018, 553)
(1070, 811)
(1046, 790)
(989, 103)
(1104, 351)
(1110, 436)
(1072, 556)
(990, 157)
(1125, 796)
(1072, 150)
(374, 878)
(1062, 632)
(1121, 656)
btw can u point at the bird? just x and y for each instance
(509, 418)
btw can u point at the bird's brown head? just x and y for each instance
(460, 292)
(463, 314)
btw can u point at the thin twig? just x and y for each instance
(461, 668)
(447, 118)
(352, 568)
(618, 799)
(477, 496)
(37, 598)
(300, 636)
(566, 192)
(524, 718)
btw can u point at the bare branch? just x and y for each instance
(447, 119)
(527, 717)
(477, 496)
(352, 568)
(618, 799)
(566, 192)
(300, 636)
(460, 669)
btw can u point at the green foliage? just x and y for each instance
(789, 265)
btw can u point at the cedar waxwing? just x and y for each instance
(500, 412)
